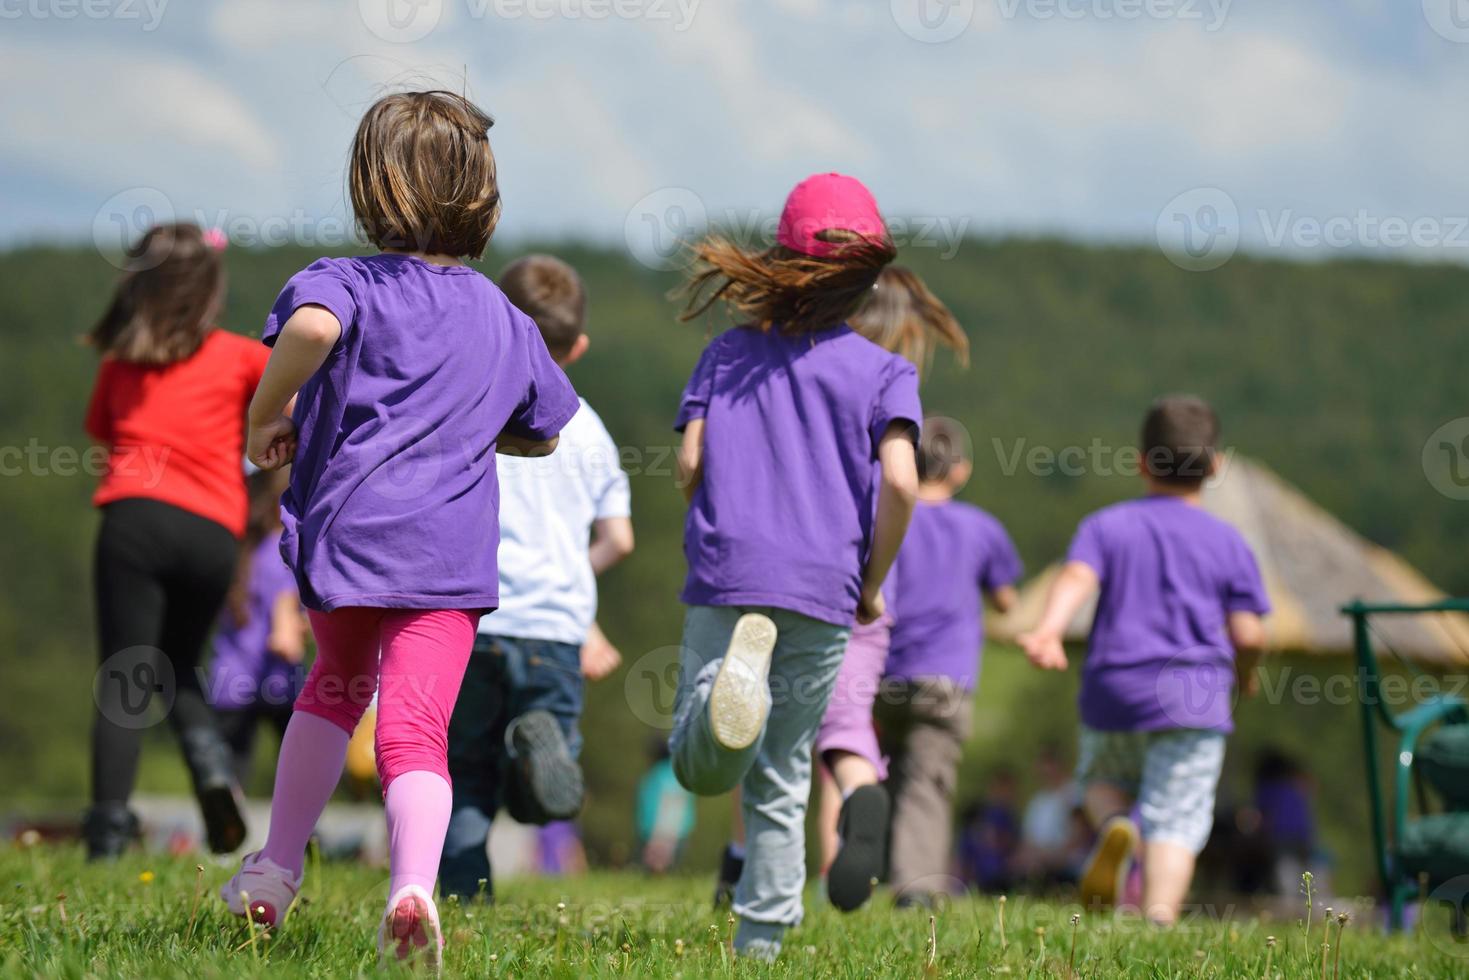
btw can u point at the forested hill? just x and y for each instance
(1335, 375)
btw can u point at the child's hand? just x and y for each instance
(870, 606)
(271, 445)
(1044, 650)
(598, 656)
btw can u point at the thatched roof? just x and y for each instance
(1312, 564)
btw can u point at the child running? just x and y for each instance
(169, 406)
(798, 462)
(905, 317)
(1177, 629)
(260, 643)
(410, 370)
(563, 521)
(955, 555)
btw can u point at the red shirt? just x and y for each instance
(176, 432)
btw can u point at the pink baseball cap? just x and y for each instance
(823, 202)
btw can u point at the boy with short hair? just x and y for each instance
(564, 519)
(1177, 629)
(954, 556)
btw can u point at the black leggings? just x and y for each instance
(161, 577)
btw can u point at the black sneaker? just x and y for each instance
(211, 767)
(731, 866)
(109, 829)
(863, 829)
(549, 784)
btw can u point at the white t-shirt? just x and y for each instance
(547, 507)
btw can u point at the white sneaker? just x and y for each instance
(271, 890)
(410, 928)
(739, 701)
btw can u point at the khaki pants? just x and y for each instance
(922, 725)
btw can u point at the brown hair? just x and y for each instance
(550, 292)
(902, 315)
(422, 176)
(264, 488)
(1179, 438)
(942, 444)
(171, 288)
(801, 293)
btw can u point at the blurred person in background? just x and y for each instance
(989, 834)
(665, 813)
(260, 643)
(169, 405)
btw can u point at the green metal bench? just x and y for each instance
(1402, 866)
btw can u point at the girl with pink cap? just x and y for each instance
(798, 463)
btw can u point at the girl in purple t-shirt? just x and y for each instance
(798, 464)
(409, 371)
(902, 316)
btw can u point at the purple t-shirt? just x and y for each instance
(785, 511)
(394, 501)
(953, 553)
(1159, 655)
(244, 670)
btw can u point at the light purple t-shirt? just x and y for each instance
(952, 554)
(1159, 655)
(394, 501)
(785, 512)
(244, 670)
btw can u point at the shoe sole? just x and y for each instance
(224, 825)
(414, 934)
(1104, 876)
(739, 702)
(552, 775)
(863, 828)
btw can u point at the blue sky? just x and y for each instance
(629, 120)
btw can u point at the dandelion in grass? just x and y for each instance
(146, 877)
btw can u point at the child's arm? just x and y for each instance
(288, 628)
(896, 498)
(300, 349)
(1003, 598)
(1247, 634)
(612, 541)
(691, 459)
(509, 444)
(598, 656)
(1073, 586)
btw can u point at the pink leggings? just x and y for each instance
(423, 656)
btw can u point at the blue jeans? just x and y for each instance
(507, 677)
(774, 771)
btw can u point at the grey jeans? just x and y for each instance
(775, 770)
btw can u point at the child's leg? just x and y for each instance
(544, 781)
(701, 763)
(337, 692)
(939, 718)
(476, 756)
(1180, 778)
(778, 784)
(1109, 768)
(424, 655)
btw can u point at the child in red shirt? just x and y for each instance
(169, 405)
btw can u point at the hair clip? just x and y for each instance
(216, 239)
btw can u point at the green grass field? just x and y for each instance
(139, 918)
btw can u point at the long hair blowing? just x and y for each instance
(904, 316)
(171, 287)
(783, 289)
